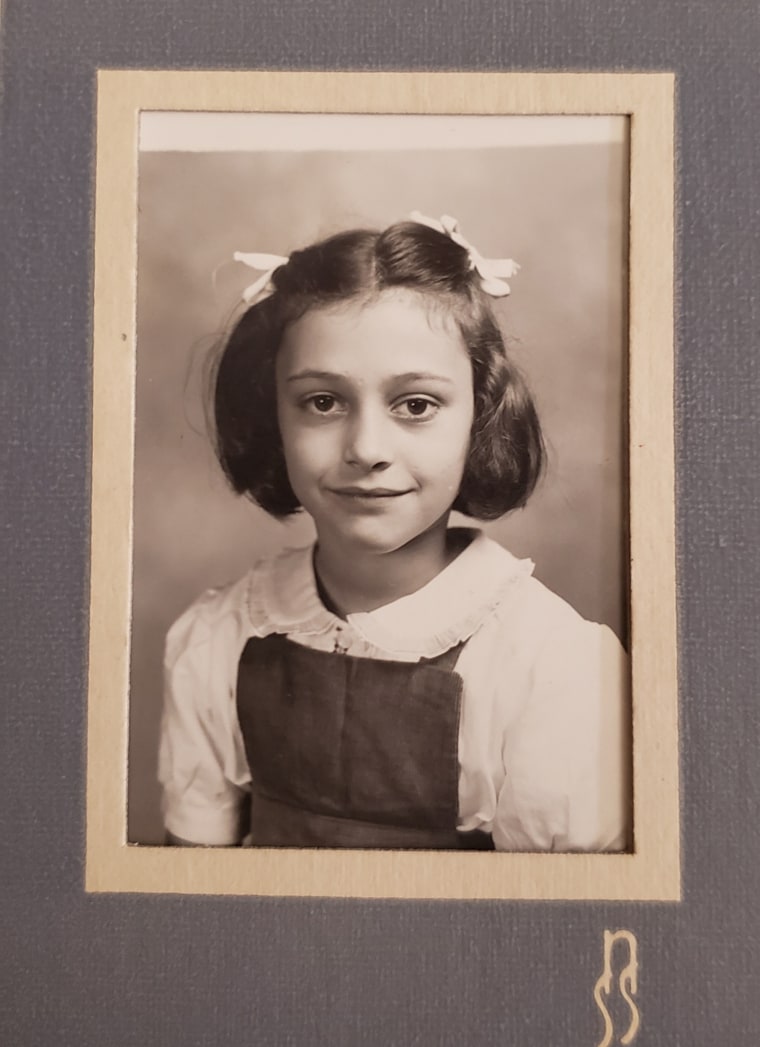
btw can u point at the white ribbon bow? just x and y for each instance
(266, 262)
(493, 272)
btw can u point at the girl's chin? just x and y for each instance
(364, 539)
(354, 544)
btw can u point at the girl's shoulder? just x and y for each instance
(504, 586)
(256, 604)
(534, 607)
(530, 623)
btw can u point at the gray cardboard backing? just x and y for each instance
(121, 969)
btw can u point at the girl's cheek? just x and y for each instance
(313, 443)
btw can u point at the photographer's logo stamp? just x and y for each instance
(614, 993)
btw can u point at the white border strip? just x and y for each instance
(312, 132)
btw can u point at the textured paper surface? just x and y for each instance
(142, 969)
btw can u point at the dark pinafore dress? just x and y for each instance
(351, 752)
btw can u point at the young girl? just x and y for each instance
(399, 684)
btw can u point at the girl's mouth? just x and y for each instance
(368, 492)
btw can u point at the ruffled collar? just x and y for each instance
(426, 623)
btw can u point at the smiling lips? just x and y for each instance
(371, 492)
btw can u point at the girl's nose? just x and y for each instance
(368, 441)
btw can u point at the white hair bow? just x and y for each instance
(493, 272)
(265, 262)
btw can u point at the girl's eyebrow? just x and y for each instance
(422, 376)
(313, 374)
(410, 376)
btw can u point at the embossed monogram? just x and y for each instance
(626, 984)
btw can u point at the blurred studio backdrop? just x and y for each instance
(550, 192)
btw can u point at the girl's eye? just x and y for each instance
(417, 407)
(321, 403)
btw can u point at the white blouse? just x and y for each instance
(544, 736)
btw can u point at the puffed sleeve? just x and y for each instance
(567, 758)
(202, 766)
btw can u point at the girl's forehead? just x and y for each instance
(392, 333)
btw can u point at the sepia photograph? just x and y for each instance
(380, 449)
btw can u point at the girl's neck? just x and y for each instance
(353, 582)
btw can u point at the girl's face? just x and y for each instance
(375, 407)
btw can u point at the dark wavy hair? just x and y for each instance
(506, 452)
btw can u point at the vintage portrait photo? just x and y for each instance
(379, 483)
(380, 516)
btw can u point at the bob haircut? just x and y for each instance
(506, 451)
